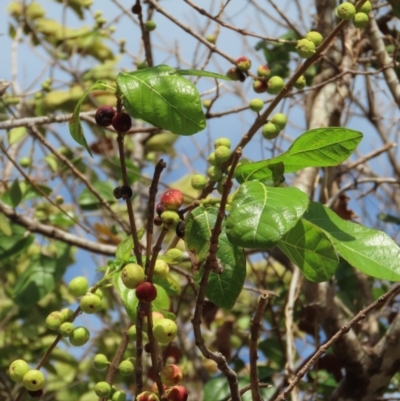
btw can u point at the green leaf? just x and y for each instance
(311, 250)
(200, 73)
(13, 195)
(15, 243)
(260, 215)
(5, 225)
(74, 124)
(224, 288)
(162, 97)
(88, 201)
(16, 134)
(124, 248)
(371, 251)
(41, 277)
(321, 147)
(389, 218)
(31, 192)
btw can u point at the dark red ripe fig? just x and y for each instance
(36, 394)
(160, 209)
(122, 122)
(177, 393)
(124, 192)
(104, 116)
(180, 229)
(136, 8)
(147, 348)
(146, 292)
(157, 221)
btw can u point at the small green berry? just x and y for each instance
(222, 154)
(59, 200)
(17, 370)
(161, 268)
(198, 181)
(175, 255)
(366, 8)
(315, 37)
(141, 65)
(214, 173)
(33, 380)
(206, 103)
(79, 336)
(25, 162)
(222, 142)
(100, 362)
(132, 275)
(361, 20)
(170, 218)
(132, 332)
(280, 120)
(90, 303)
(211, 38)
(165, 331)
(126, 368)
(211, 159)
(256, 105)
(305, 48)
(150, 25)
(300, 83)
(78, 286)
(346, 11)
(263, 71)
(54, 320)
(275, 85)
(102, 389)
(119, 396)
(66, 329)
(270, 131)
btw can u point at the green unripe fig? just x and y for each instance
(361, 20)
(280, 120)
(102, 389)
(214, 173)
(165, 330)
(211, 38)
(366, 8)
(54, 320)
(275, 85)
(66, 329)
(211, 159)
(222, 154)
(175, 255)
(132, 275)
(150, 25)
(301, 82)
(346, 11)
(222, 142)
(141, 65)
(156, 317)
(315, 37)
(33, 380)
(118, 396)
(100, 362)
(170, 218)
(270, 131)
(25, 162)
(198, 181)
(305, 48)
(78, 286)
(90, 303)
(126, 368)
(17, 370)
(263, 71)
(161, 268)
(206, 103)
(66, 314)
(220, 185)
(79, 336)
(132, 332)
(59, 200)
(256, 105)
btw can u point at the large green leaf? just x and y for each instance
(74, 124)
(311, 250)
(201, 73)
(260, 215)
(371, 251)
(321, 147)
(164, 98)
(130, 301)
(41, 276)
(224, 288)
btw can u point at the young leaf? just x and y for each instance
(260, 215)
(74, 124)
(124, 248)
(200, 73)
(14, 243)
(321, 147)
(88, 201)
(162, 97)
(371, 251)
(224, 288)
(311, 250)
